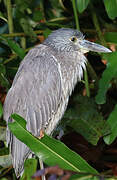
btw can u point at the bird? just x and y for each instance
(42, 85)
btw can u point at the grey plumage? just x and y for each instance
(43, 84)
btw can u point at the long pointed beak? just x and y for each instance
(90, 46)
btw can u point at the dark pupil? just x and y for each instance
(73, 39)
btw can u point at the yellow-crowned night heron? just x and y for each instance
(43, 84)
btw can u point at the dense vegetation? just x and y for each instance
(89, 124)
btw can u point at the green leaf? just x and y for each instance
(22, 5)
(49, 150)
(112, 121)
(82, 5)
(46, 32)
(86, 120)
(111, 37)
(109, 73)
(20, 120)
(38, 15)
(1, 110)
(15, 47)
(30, 167)
(111, 8)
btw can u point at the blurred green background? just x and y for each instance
(89, 124)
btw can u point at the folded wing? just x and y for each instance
(35, 95)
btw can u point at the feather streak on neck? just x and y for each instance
(72, 71)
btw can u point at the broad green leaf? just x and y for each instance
(109, 73)
(112, 121)
(5, 160)
(111, 8)
(20, 120)
(111, 37)
(2, 133)
(49, 150)
(82, 5)
(15, 47)
(1, 110)
(86, 120)
(30, 167)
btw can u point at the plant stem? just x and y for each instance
(75, 14)
(21, 34)
(86, 83)
(9, 12)
(78, 27)
(97, 26)
(23, 42)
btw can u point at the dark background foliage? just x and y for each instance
(89, 124)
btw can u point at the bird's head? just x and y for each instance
(66, 40)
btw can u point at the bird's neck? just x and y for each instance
(72, 65)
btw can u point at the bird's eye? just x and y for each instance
(73, 39)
